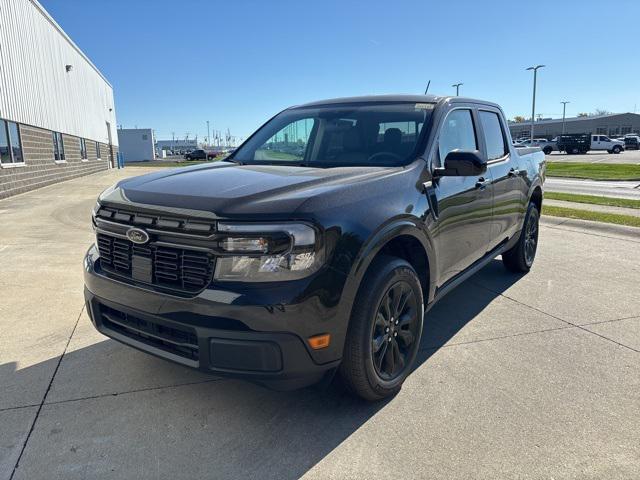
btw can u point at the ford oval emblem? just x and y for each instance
(137, 235)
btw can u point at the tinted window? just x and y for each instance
(5, 156)
(83, 149)
(337, 135)
(10, 143)
(493, 136)
(457, 133)
(58, 146)
(97, 150)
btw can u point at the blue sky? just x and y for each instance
(176, 64)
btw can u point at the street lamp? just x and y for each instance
(564, 109)
(533, 105)
(457, 85)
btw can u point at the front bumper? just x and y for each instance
(253, 332)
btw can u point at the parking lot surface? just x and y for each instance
(628, 156)
(534, 376)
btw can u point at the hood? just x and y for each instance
(228, 189)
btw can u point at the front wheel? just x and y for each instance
(519, 258)
(616, 149)
(385, 330)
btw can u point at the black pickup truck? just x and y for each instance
(319, 244)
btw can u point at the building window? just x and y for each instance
(83, 149)
(10, 144)
(145, 136)
(614, 131)
(625, 130)
(58, 147)
(601, 130)
(97, 150)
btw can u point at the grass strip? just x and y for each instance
(593, 199)
(615, 218)
(594, 171)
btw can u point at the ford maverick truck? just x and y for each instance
(318, 246)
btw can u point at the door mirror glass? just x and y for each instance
(462, 163)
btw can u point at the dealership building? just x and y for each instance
(57, 115)
(613, 125)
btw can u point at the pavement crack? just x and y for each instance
(138, 390)
(497, 338)
(44, 397)
(581, 327)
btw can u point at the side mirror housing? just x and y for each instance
(462, 163)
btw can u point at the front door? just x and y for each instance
(463, 204)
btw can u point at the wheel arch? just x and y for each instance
(403, 238)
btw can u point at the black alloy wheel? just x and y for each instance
(385, 329)
(394, 331)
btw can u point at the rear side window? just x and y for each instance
(493, 135)
(457, 133)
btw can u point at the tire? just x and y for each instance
(520, 257)
(616, 149)
(547, 150)
(573, 150)
(379, 350)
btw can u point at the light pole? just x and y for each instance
(457, 85)
(564, 109)
(533, 104)
(208, 135)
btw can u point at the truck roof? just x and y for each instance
(394, 98)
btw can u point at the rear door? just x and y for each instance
(509, 177)
(463, 204)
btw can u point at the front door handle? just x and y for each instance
(514, 172)
(482, 183)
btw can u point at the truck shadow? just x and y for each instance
(197, 426)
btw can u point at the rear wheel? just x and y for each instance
(521, 256)
(385, 330)
(547, 150)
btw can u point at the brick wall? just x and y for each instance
(41, 170)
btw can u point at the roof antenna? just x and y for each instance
(427, 89)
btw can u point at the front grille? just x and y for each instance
(172, 268)
(178, 340)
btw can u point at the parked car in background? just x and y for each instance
(547, 146)
(285, 267)
(200, 154)
(574, 143)
(632, 142)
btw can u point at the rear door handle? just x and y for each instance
(482, 183)
(514, 172)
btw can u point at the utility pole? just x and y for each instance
(208, 134)
(457, 86)
(564, 110)
(533, 104)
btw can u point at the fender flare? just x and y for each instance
(372, 246)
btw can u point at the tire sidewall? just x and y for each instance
(532, 213)
(391, 273)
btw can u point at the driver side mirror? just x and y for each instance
(462, 163)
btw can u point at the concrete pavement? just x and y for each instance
(534, 376)
(628, 156)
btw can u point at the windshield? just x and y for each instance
(363, 134)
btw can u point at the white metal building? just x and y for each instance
(57, 114)
(136, 144)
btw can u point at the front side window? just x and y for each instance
(58, 146)
(358, 134)
(83, 149)
(493, 135)
(10, 143)
(457, 133)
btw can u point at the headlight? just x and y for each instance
(268, 252)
